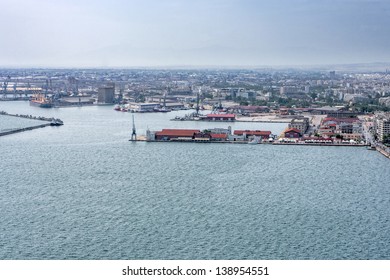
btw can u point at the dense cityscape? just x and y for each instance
(319, 107)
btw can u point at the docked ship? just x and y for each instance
(40, 100)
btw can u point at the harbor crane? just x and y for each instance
(133, 133)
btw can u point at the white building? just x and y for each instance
(288, 90)
(143, 107)
(383, 127)
(301, 124)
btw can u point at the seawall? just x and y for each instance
(23, 129)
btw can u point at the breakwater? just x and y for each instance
(31, 117)
(4, 133)
(32, 123)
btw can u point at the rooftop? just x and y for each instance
(253, 132)
(177, 132)
(221, 115)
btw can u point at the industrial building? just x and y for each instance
(169, 134)
(106, 94)
(143, 107)
(264, 134)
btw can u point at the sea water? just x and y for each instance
(83, 191)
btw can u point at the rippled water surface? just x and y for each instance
(82, 191)
(9, 123)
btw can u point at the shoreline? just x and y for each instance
(242, 119)
(266, 121)
(248, 143)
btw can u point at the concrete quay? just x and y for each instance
(143, 139)
(383, 152)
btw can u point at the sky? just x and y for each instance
(148, 33)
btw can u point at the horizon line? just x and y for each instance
(184, 66)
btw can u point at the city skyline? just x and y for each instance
(193, 33)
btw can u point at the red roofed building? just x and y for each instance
(219, 136)
(202, 135)
(168, 134)
(341, 125)
(262, 133)
(292, 133)
(221, 117)
(339, 120)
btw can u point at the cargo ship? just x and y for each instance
(40, 100)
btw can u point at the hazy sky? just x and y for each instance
(130, 33)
